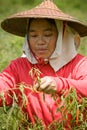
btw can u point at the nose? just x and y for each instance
(40, 40)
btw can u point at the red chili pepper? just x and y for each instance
(77, 115)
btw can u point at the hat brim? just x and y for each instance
(17, 24)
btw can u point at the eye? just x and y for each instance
(48, 35)
(33, 35)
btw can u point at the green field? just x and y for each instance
(11, 46)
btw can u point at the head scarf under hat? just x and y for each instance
(65, 49)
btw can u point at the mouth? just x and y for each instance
(41, 51)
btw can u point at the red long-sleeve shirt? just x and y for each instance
(74, 74)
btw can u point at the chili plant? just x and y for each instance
(72, 108)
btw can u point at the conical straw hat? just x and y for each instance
(17, 24)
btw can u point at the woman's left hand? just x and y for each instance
(47, 84)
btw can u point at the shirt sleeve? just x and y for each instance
(79, 80)
(8, 80)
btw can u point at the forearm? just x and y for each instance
(65, 84)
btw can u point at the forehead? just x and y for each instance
(41, 24)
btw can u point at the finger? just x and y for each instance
(48, 90)
(45, 89)
(46, 81)
(36, 86)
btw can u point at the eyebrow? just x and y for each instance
(48, 29)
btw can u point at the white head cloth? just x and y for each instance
(65, 49)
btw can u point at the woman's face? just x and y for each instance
(42, 37)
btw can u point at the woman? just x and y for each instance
(50, 63)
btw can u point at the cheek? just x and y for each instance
(53, 45)
(31, 45)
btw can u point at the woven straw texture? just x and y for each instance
(17, 24)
